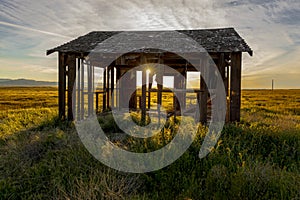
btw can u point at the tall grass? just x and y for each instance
(43, 158)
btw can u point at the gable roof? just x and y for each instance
(213, 40)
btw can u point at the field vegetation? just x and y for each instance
(42, 157)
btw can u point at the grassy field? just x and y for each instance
(43, 158)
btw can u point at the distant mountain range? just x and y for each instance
(25, 82)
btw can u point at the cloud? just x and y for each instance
(271, 27)
(33, 30)
(262, 24)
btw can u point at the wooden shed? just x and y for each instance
(77, 71)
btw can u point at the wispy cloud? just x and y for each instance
(271, 27)
(272, 30)
(32, 29)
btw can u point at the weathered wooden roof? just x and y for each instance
(213, 40)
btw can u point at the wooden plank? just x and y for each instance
(71, 81)
(61, 86)
(235, 86)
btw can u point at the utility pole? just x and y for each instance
(272, 84)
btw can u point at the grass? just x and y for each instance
(43, 158)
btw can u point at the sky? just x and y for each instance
(271, 28)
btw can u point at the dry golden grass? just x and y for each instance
(13, 98)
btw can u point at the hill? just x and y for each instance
(25, 82)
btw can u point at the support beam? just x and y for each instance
(71, 81)
(62, 86)
(235, 86)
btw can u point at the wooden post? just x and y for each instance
(184, 74)
(112, 82)
(61, 86)
(159, 77)
(93, 88)
(159, 80)
(130, 85)
(104, 90)
(222, 65)
(179, 96)
(89, 88)
(117, 91)
(226, 71)
(78, 90)
(143, 98)
(203, 95)
(149, 88)
(107, 87)
(82, 89)
(97, 102)
(71, 81)
(235, 86)
(175, 105)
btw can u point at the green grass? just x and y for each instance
(43, 158)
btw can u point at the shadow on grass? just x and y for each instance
(49, 161)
